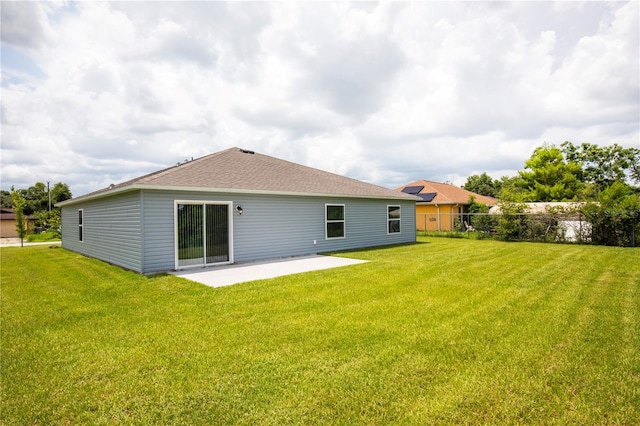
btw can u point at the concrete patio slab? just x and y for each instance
(219, 276)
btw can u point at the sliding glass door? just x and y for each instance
(202, 233)
(217, 233)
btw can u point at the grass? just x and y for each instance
(453, 234)
(42, 237)
(443, 331)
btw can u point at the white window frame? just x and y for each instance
(327, 221)
(81, 225)
(389, 219)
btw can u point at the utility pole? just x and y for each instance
(49, 192)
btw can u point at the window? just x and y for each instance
(335, 220)
(80, 226)
(393, 219)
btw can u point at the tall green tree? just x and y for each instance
(548, 177)
(483, 184)
(60, 192)
(511, 189)
(19, 204)
(604, 165)
(5, 199)
(37, 196)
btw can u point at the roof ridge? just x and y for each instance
(236, 169)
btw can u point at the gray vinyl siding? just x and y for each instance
(158, 230)
(273, 226)
(111, 230)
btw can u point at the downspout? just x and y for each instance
(438, 215)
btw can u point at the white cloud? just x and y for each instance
(388, 92)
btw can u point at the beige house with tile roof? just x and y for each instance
(442, 205)
(232, 206)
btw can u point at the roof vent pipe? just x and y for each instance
(246, 151)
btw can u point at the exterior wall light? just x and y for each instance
(239, 209)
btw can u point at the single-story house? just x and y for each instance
(232, 206)
(441, 206)
(8, 223)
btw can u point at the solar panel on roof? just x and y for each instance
(428, 196)
(412, 189)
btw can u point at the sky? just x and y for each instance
(95, 93)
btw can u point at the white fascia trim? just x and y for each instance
(134, 187)
(106, 193)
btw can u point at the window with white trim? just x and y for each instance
(80, 225)
(393, 219)
(335, 221)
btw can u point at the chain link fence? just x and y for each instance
(609, 228)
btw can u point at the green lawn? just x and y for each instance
(443, 331)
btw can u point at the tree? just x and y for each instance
(511, 221)
(482, 184)
(615, 218)
(19, 204)
(604, 165)
(548, 177)
(60, 192)
(37, 196)
(49, 221)
(511, 189)
(5, 199)
(479, 217)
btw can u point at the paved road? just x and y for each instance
(15, 242)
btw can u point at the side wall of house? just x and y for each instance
(111, 230)
(8, 228)
(275, 226)
(431, 217)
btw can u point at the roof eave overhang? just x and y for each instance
(136, 187)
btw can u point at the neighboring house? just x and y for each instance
(8, 223)
(441, 206)
(232, 206)
(571, 224)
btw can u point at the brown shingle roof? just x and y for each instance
(236, 169)
(448, 194)
(10, 214)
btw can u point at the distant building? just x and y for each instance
(441, 206)
(8, 223)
